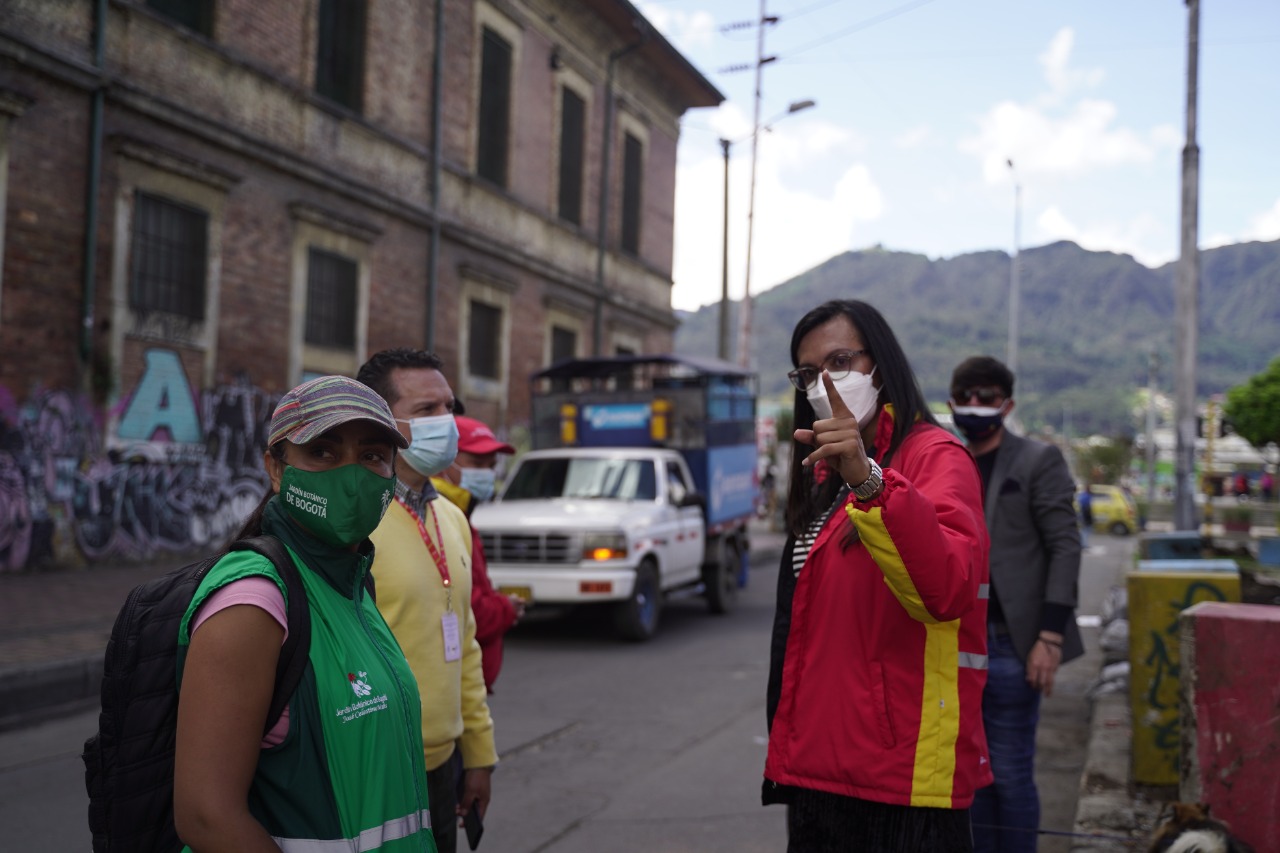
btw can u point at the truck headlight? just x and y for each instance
(604, 546)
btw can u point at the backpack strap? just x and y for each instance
(295, 650)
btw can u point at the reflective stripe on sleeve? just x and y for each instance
(369, 839)
(969, 660)
(984, 591)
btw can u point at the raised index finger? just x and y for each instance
(838, 407)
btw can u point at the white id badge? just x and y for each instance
(452, 641)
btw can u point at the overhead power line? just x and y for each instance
(861, 25)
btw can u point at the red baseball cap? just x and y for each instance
(475, 437)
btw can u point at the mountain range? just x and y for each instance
(1089, 322)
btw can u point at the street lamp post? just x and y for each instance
(744, 328)
(723, 349)
(1015, 286)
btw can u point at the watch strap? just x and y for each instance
(872, 486)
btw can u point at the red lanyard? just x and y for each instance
(441, 564)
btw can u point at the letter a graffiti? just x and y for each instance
(162, 400)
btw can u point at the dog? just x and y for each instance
(1189, 829)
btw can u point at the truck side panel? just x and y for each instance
(727, 477)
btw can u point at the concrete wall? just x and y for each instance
(1230, 734)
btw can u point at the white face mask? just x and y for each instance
(857, 391)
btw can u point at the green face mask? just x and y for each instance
(341, 506)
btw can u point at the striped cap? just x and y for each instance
(317, 406)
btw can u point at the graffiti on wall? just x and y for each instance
(1155, 602)
(178, 472)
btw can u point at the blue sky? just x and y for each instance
(921, 102)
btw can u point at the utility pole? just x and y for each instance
(744, 338)
(723, 350)
(1188, 295)
(1015, 285)
(1152, 363)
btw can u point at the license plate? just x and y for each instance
(524, 593)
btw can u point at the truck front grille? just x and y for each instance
(527, 548)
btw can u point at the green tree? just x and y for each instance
(1104, 461)
(1254, 407)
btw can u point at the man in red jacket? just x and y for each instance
(467, 482)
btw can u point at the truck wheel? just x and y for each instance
(636, 619)
(720, 580)
(1119, 528)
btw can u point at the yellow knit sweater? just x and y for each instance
(411, 596)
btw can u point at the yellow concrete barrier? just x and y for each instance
(1155, 600)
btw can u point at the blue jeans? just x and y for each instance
(1006, 814)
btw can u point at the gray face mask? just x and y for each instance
(857, 391)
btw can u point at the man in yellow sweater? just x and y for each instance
(422, 575)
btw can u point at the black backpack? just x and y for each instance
(129, 762)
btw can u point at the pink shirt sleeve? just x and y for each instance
(257, 591)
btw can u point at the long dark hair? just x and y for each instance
(253, 524)
(898, 388)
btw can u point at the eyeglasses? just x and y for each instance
(838, 364)
(986, 394)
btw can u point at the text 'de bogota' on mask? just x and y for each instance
(341, 506)
(857, 391)
(979, 422)
(433, 444)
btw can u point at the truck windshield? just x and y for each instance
(620, 479)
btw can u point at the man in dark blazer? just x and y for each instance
(1035, 566)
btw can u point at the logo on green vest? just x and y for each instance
(358, 684)
(365, 702)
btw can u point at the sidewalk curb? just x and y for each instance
(1106, 805)
(29, 694)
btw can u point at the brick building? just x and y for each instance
(206, 201)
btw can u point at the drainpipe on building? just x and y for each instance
(606, 149)
(437, 171)
(96, 102)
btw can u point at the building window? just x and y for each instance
(195, 15)
(170, 257)
(332, 285)
(340, 52)
(573, 112)
(494, 120)
(484, 340)
(564, 343)
(632, 175)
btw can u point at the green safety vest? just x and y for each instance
(349, 775)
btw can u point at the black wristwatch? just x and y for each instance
(870, 487)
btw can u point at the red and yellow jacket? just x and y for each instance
(877, 679)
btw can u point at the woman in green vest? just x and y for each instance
(342, 766)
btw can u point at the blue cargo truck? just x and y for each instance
(640, 485)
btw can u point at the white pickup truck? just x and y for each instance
(611, 524)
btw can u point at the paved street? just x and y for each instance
(609, 746)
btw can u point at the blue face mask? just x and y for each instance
(433, 444)
(479, 482)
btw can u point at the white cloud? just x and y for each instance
(1058, 133)
(1136, 237)
(795, 228)
(1266, 225)
(685, 30)
(1063, 79)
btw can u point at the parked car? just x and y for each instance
(1113, 510)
